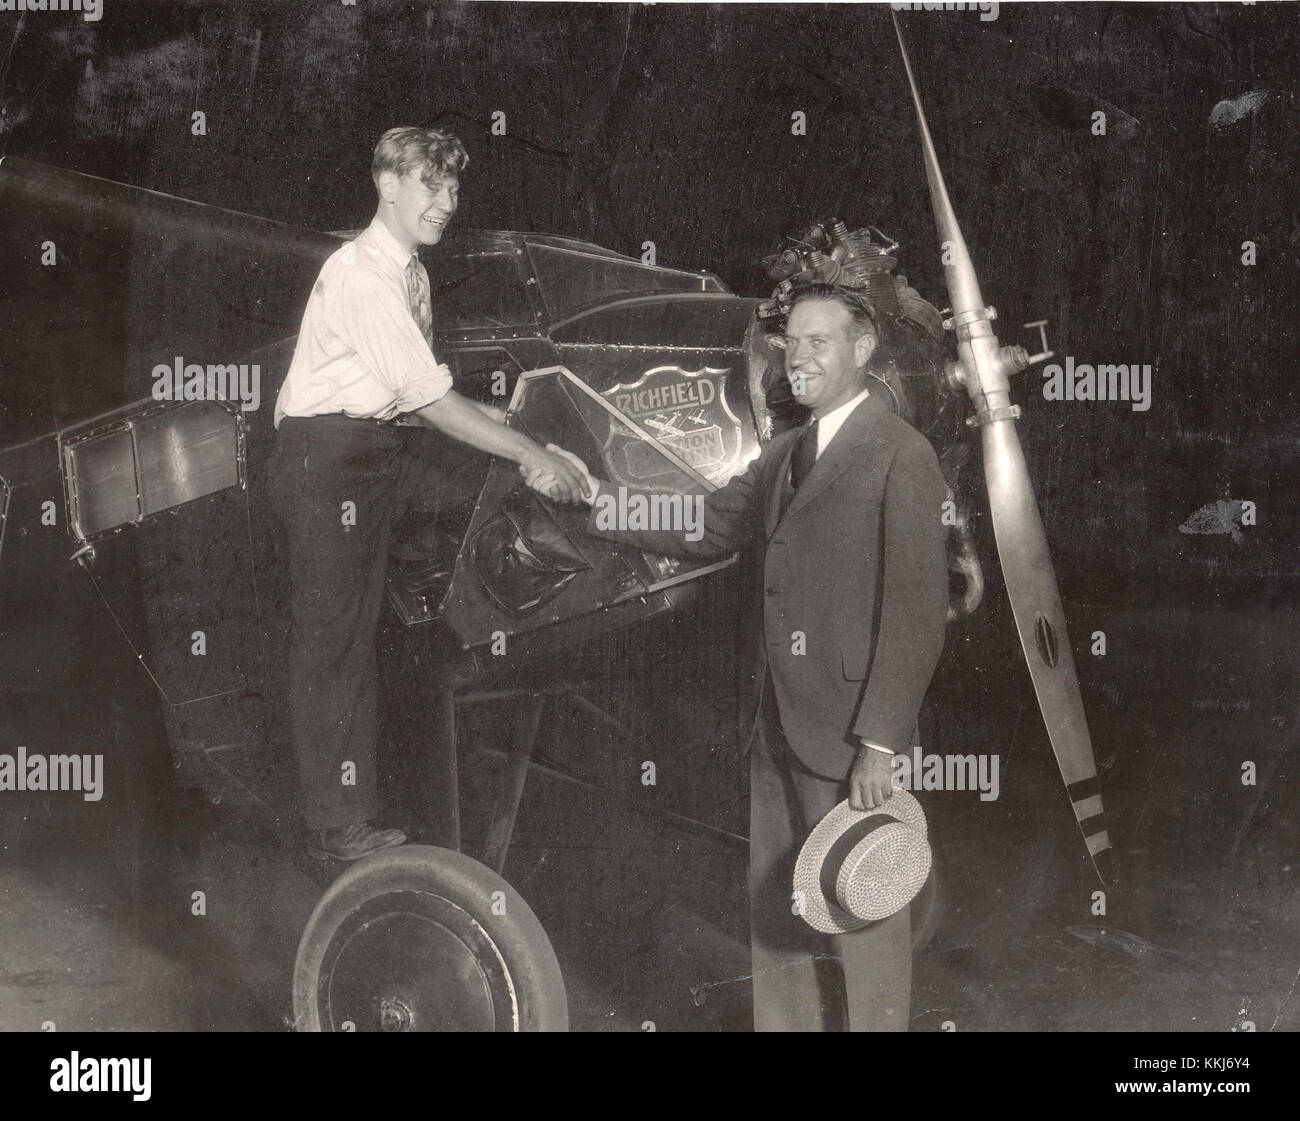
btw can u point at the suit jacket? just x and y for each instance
(850, 612)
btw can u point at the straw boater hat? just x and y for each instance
(858, 866)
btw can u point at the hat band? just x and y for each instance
(844, 844)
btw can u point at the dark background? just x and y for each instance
(672, 124)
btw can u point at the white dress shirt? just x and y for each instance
(834, 420)
(360, 351)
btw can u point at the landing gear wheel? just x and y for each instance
(418, 938)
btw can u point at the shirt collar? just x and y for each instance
(831, 423)
(387, 244)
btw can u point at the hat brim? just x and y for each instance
(900, 845)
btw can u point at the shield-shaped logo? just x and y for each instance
(685, 410)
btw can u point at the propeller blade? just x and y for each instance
(984, 368)
(1040, 621)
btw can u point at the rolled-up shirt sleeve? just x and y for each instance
(380, 328)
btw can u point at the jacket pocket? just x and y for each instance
(852, 667)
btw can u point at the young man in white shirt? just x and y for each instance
(342, 472)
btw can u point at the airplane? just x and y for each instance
(137, 567)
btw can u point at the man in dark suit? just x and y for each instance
(849, 625)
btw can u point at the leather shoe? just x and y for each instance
(352, 842)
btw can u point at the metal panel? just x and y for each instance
(102, 488)
(141, 461)
(573, 282)
(552, 405)
(183, 454)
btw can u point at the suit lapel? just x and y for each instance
(772, 511)
(839, 454)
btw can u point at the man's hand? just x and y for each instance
(552, 473)
(871, 779)
(543, 478)
(592, 483)
(480, 426)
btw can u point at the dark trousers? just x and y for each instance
(786, 801)
(338, 486)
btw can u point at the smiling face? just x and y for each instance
(825, 358)
(416, 212)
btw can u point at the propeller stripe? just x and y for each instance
(1098, 842)
(1084, 788)
(1094, 824)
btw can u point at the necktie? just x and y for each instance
(805, 455)
(418, 297)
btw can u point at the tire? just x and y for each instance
(407, 940)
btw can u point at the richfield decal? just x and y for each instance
(687, 412)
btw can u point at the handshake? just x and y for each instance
(559, 475)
